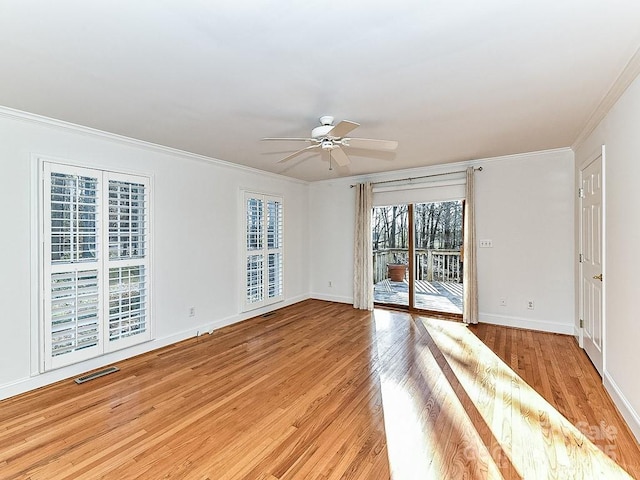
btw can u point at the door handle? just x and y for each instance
(597, 277)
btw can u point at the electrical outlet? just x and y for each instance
(503, 301)
(486, 243)
(530, 304)
(192, 311)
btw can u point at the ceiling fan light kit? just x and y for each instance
(327, 144)
(332, 138)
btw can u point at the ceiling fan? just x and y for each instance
(333, 138)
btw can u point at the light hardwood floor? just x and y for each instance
(322, 391)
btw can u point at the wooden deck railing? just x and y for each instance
(431, 265)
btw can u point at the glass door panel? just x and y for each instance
(390, 230)
(437, 256)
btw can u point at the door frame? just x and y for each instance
(580, 330)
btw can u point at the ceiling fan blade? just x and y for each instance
(289, 139)
(341, 129)
(289, 157)
(370, 144)
(340, 157)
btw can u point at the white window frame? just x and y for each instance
(102, 265)
(265, 298)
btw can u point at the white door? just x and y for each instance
(591, 276)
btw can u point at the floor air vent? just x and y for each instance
(99, 373)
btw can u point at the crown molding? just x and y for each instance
(15, 114)
(439, 168)
(619, 86)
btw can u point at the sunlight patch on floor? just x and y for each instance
(538, 440)
(406, 443)
(429, 435)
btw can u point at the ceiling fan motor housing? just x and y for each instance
(321, 131)
(326, 124)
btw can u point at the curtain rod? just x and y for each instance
(418, 178)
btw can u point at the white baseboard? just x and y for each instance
(42, 379)
(331, 298)
(540, 325)
(223, 322)
(624, 407)
(577, 333)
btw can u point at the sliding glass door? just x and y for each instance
(417, 256)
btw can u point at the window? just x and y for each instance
(263, 250)
(96, 263)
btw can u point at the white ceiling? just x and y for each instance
(451, 80)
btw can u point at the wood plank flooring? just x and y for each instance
(561, 373)
(322, 391)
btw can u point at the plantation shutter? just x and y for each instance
(263, 222)
(72, 268)
(254, 224)
(274, 248)
(96, 263)
(127, 261)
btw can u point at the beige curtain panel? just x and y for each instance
(363, 249)
(470, 295)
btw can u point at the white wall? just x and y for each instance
(332, 214)
(196, 243)
(619, 132)
(524, 204)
